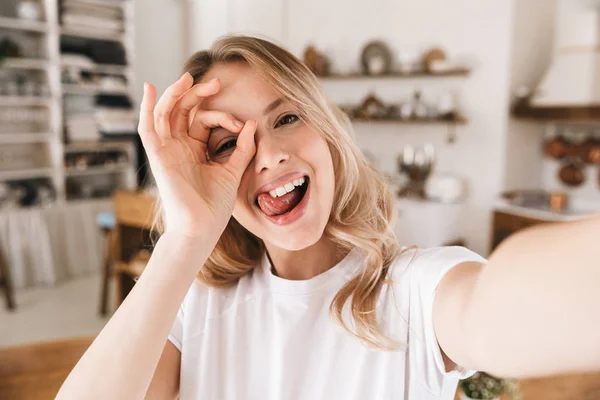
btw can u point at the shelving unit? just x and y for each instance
(25, 63)
(96, 146)
(26, 174)
(25, 137)
(24, 101)
(92, 35)
(99, 170)
(91, 90)
(50, 32)
(358, 77)
(21, 25)
(102, 68)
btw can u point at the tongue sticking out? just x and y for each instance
(279, 205)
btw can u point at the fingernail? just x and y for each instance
(239, 124)
(145, 87)
(185, 75)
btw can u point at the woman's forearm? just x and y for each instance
(535, 309)
(121, 361)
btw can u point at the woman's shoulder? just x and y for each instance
(431, 261)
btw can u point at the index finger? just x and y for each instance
(146, 129)
(181, 111)
(205, 120)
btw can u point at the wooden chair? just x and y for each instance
(128, 243)
(6, 284)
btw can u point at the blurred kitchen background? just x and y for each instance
(483, 115)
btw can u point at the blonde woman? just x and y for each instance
(278, 276)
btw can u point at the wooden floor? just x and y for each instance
(36, 372)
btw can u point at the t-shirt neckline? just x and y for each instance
(343, 270)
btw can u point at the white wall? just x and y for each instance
(480, 30)
(159, 43)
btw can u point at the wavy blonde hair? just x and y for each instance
(363, 209)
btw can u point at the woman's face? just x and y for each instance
(286, 193)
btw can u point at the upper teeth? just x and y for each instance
(288, 187)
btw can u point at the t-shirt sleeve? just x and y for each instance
(176, 334)
(426, 269)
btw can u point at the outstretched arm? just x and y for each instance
(533, 310)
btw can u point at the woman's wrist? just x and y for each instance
(183, 242)
(181, 253)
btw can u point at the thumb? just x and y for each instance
(245, 149)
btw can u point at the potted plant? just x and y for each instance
(483, 386)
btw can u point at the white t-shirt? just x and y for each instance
(268, 338)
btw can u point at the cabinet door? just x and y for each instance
(506, 224)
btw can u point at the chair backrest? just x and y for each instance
(134, 215)
(135, 209)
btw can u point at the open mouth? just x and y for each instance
(277, 203)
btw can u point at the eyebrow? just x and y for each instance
(273, 106)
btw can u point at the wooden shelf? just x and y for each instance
(99, 170)
(566, 115)
(23, 25)
(26, 174)
(24, 101)
(25, 63)
(455, 121)
(25, 137)
(399, 75)
(115, 37)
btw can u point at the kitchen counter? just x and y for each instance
(578, 210)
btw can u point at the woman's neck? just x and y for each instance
(306, 263)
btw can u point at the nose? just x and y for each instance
(269, 153)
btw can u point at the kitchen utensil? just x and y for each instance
(417, 164)
(376, 58)
(316, 61)
(556, 147)
(409, 61)
(572, 173)
(29, 9)
(431, 57)
(445, 188)
(559, 201)
(589, 150)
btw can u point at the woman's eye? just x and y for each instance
(286, 119)
(226, 146)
